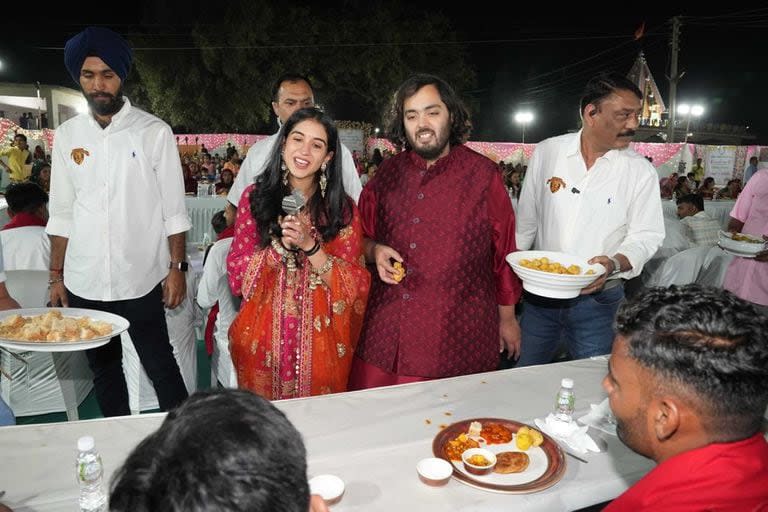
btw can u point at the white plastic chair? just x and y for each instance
(30, 289)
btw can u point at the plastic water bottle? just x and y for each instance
(90, 473)
(566, 401)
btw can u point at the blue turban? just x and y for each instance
(102, 43)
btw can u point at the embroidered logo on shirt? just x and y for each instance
(79, 154)
(555, 184)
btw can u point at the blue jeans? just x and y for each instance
(584, 323)
(6, 415)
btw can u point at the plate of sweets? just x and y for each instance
(557, 275)
(500, 455)
(58, 329)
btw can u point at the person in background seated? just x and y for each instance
(6, 302)
(25, 243)
(258, 460)
(730, 191)
(707, 189)
(700, 229)
(227, 179)
(667, 185)
(693, 183)
(686, 383)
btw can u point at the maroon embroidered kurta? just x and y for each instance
(453, 225)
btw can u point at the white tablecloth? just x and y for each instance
(371, 439)
(719, 210)
(200, 212)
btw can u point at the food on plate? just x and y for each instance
(478, 460)
(399, 274)
(738, 237)
(511, 462)
(456, 447)
(52, 326)
(495, 433)
(553, 267)
(527, 437)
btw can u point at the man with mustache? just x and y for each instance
(608, 211)
(441, 211)
(117, 212)
(686, 383)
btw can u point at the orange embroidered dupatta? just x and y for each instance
(330, 318)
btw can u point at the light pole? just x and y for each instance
(688, 111)
(523, 118)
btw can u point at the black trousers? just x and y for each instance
(149, 333)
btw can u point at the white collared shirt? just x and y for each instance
(117, 193)
(615, 207)
(26, 248)
(256, 161)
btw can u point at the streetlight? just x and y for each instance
(523, 118)
(688, 111)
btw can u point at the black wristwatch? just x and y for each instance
(181, 266)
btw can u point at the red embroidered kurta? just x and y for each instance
(719, 477)
(453, 225)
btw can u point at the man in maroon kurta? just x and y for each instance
(442, 211)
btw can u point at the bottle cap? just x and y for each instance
(85, 443)
(567, 383)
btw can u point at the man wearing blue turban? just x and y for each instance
(117, 213)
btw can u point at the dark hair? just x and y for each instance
(694, 199)
(753, 158)
(25, 197)
(708, 179)
(460, 122)
(605, 84)
(288, 77)
(221, 450)
(21, 136)
(709, 341)
(218, 222)
(329, 214)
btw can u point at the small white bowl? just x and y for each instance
(474, 468)
(434, 472)
(328, 487)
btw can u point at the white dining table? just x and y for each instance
(371, 439)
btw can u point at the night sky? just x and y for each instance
(531, 58)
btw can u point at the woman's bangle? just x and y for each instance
(313, 250)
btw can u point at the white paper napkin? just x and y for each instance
(571, 434)
(600, 417)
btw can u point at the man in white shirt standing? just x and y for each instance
(117, 212)
(290, 93)
(589, 195)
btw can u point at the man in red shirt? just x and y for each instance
(687, 384)
(441, 211)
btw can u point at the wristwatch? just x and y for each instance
(181, 266)
(616, 265)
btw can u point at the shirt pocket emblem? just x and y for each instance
(555, 184)
(79, 154)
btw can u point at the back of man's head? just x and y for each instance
(692, 199)
(25, 197)
(706, 346)
(221, 450)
